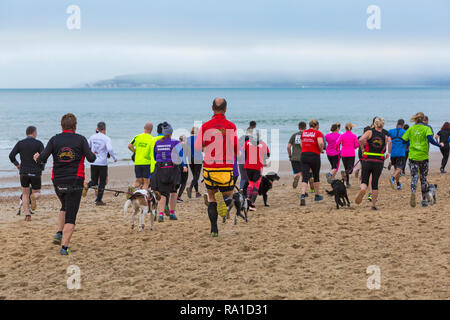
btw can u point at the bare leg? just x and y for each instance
(26, 200)
(67, 233)
(61, 220)
(173, 201)
(316, 187)
(145, 183)
(374, 197)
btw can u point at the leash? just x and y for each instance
(116, 192)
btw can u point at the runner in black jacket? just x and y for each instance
(29, 171)
(69, 151)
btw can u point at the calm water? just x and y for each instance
(126, 110)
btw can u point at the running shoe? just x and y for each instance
(100, 203)
(252, 207)
(424, 203)
(167, 211)
(173, 217)
(369, 197)
(179, 200)
(412, 201)
(302, 200)
(65, 252)
(58, 238)
(295, 183)
(443, 170)
(214, 234)
(205, 199)
(221, 205)
(360, 196)
(28, 218)
(318, 198)
(399, 186)
(161, 218)
(312, 190)
(329, 176)
(85, 189)
(198, 195)
(189, 192)
(392, 181)
(33, 202)
(374, 208)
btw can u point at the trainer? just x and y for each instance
(218, 139)
(30, 172)
(101, 146)
(69, 150)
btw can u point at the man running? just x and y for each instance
(294, 149)
(69, 151)
(140, 146)
(313, 145)
(100, 145)
(29, 171)
(218, 139)
(397, 154)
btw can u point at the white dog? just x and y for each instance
(142, 202)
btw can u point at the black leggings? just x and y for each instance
(310, 161)
(98, 177)
(371, 168)
(445, 153)
(348, 162)
(70, 200)
(196, 169)
(334, 161)
(184, 178)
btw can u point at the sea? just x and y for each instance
(277, 112)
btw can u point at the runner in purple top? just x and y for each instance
(167, 175)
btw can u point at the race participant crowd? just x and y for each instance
(216, 154)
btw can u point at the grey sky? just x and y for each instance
(313, 39)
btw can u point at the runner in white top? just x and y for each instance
(100, 144)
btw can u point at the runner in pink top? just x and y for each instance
(332, 151)
(350, 143)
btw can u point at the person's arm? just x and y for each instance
(321, 144)
(363, 140)
(389, 144)
(43, 156)
(433, 142)
(338, 143)
(131, 145)
(13, 154)
(90, 156)
(289, 150)
(179, 148)
(110, 150)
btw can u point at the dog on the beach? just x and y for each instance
(142, 202)
(241, 203)
(339, 192)
(266, 184)
(431, 194)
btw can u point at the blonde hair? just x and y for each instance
(313, 123)
(418, 117)
(378, 122)
(182, 138)
(349, 126)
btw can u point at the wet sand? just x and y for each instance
(284, 252)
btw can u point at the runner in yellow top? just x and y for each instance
(140, 146)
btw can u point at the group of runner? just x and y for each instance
(374, 147)
(161, 162)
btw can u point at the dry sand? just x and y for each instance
(284, 252)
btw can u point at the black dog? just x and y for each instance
(241, 203)
(340, 193)
(266, 185)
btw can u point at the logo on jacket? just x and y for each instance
(66, 155)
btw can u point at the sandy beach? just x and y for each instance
(284, 252)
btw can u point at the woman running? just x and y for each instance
(184, 174)
(167, 176)
(350, 143)
(312, 142)
(256, 152)
(195, 163)
(374, 143)
(419, 135)
(332, 151)
(444, 135)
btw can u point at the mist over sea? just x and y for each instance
(126, 110)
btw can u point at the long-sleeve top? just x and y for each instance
(26, 148)
(349, 142)
(100, 144)
(69, 150)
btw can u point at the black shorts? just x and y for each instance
(253, 175)
(334, 161)
(71, 198)
(310, 162)
(398, 162)
(296, 166)
(34, 181)
(142, 171)
(374, 168)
